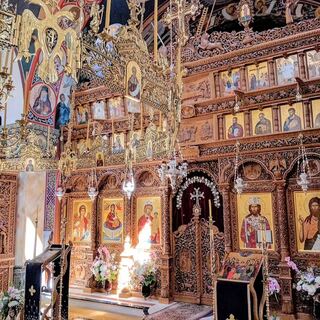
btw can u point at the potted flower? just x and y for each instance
(273, 290)
(104, 269)
(143, 275)
(11, 302)
(309, 284)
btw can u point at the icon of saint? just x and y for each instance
(134, 86)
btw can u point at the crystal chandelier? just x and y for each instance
(60, 193)
(298, 94)
(302, 180)
(128, 186)
(237, 104)
(92, 188)
(239, 183)
(173, 171)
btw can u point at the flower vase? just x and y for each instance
(114, 286)
(100, 286)
(146, 290)
(316, 306)
(108, 286)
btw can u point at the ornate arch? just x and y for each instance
(294, 162)
(227, 173)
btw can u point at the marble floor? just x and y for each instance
(87, 310)
(109, 306)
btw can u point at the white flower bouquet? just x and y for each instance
(308, 282)
(11, 302)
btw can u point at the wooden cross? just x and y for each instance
(181, 9)
(197, 195)
(32, 291)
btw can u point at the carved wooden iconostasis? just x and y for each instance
(8, 198)
(101, 228)
(261, 89)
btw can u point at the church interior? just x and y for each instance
(159, 159)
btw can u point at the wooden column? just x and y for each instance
(243, 78)
(282, 219)
(166, 256)
(276, 120)
(217, 85)
(272, 78)
(302, 65)
(285, 273)
(307, 114)
(225, 191)
(247, 124)
(220, 127)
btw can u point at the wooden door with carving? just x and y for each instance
(195, 261)
(8, 198)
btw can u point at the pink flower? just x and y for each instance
(291, 264)
(273, 286)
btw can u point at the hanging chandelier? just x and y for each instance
(239, 183)
(173, 171)
(302, 179)
(128, 186)
(60, 192)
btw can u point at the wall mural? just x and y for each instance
(200, 130)
(262, 121)
(149, 211)
(287, 69)
(112, 220)
(234, 125)
(82, 115)
(198, 90)
(99, 110)
(133, 84)
(313, 60)
(52, 106)
(292, 117)
(258, 76)
(251, 208)
(316, 113)
(81, 221)
(116, 108)
(307, 214)
(230, 81)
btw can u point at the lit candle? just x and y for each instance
(7, 59)
(210, 211)
(112, 133)
(48, 138)
(141, 119)
(88, 130)
(11, 61)
(1, 52)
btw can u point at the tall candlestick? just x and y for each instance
(155, 33)
(1, 52)
(108, 10)
(88, 130)
(112, 133)
(210, 211)
(36, 234)
(11, 61)
(7, 58)
(26, 93)
(141, 119)
(48, 138)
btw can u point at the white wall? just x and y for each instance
(31, 201)
(16, 101)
